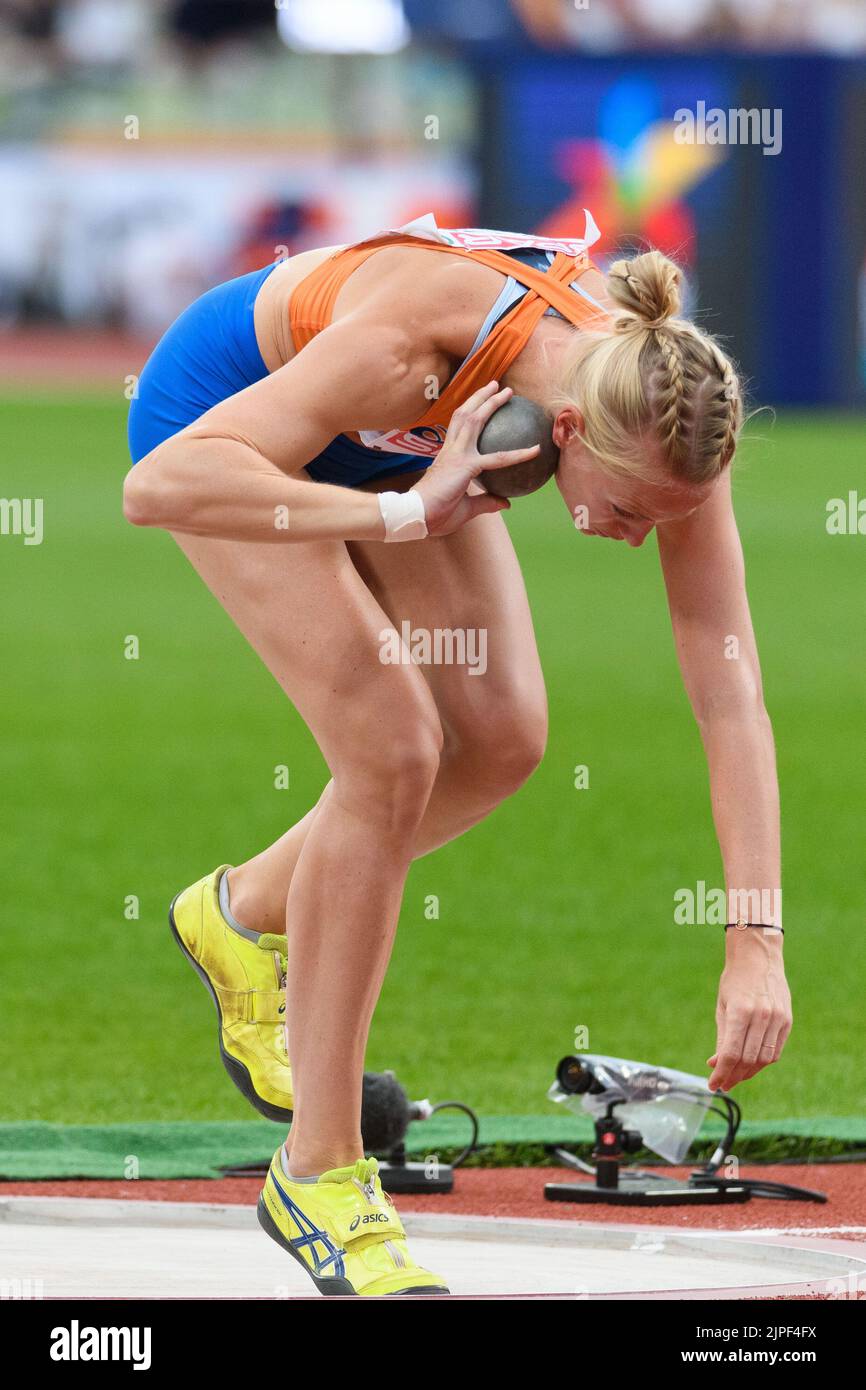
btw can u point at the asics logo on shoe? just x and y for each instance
(369, 1220)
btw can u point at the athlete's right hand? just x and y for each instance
(447, 504)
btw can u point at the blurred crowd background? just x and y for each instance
(62, 36)
(150, 148)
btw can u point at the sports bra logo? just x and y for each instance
(427, 440)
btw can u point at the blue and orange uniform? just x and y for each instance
(211, 351)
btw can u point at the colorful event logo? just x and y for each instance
(633, 174)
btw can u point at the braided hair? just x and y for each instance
(658, 378)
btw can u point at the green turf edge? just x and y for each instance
(177, 1149)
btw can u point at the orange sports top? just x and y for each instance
(312, 306)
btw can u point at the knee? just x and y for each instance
(520, 738)
(407, 758)
(506, 743)
(392, 770)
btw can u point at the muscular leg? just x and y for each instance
(494, 724)
(316, 625)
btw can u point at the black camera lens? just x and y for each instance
(573, 1076)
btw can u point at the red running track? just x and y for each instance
(520, 1192)
(50, 356)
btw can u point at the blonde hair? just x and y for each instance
(657, 378)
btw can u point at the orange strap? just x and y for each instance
(312, 301)
(312, 306)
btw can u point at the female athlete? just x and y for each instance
(289, 428)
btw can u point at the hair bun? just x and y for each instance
(648, 287)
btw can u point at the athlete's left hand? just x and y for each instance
(447, 503)
(753, 1012)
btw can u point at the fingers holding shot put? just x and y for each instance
(443, 488)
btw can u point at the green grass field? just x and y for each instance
(135, 777)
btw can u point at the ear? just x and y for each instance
(567, 424)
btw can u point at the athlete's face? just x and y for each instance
(620, 509)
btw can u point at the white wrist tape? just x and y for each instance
(403, 515)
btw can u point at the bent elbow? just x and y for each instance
(150, 494)
(137, 506)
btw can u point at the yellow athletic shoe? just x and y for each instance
(246, 980)
(344, 1231)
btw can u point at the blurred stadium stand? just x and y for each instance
(149, 148)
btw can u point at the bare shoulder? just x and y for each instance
(437, 298)
(404, 315)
